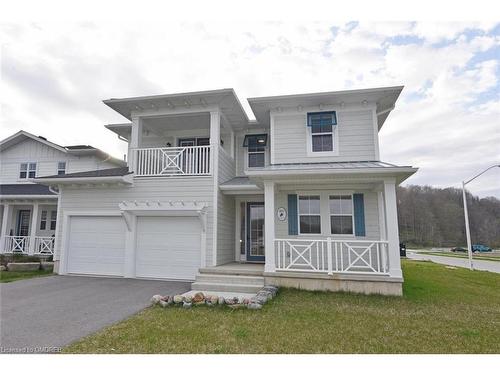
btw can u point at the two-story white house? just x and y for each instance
(298, 197)
(28, 210)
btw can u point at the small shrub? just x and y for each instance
(21, 258)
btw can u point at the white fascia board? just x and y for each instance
(28, 197)
(127, 179)
(35, 138)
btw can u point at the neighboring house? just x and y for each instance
(297, 197)
(28, 210)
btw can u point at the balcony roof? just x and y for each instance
(225, 99)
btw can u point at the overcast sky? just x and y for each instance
(446, 122)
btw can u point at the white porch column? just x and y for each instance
(34, 224)
(391, 213)
(233, 146)
(135, 143)
(7, 210)
(270, 265)
(214, 170)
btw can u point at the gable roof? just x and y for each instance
(384, 98)
(76, 150)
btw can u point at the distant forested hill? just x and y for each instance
(435, 217)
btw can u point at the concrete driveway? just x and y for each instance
(56, 310)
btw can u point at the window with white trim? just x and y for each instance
(309, 214)
(341, 214)
(43, 220)
(53, 220)
(61, 168)
(27, 170)
(322, 125)
(256, 149)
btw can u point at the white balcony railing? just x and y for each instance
(21, 245)
(173, 161)
(332, 256)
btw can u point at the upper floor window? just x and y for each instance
(341, 214)
(61, 168)
(309, 214)
(322, 129)
(27, 170)
(256, 149)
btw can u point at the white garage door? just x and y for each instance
(168, 247)
(96, 245)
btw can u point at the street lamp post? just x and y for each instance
(466, 214)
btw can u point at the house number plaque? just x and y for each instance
(281, 212)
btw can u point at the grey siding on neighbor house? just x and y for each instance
(95, 199)
(356, 137)
(225, 211)
(370, 205)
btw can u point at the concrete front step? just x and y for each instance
(229, 279)
(229, 288)
(231, 271)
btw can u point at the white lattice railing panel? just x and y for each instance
(173, 161)
(16, 244)
(329, 256)
(44, 246)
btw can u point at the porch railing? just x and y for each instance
(21, 245)
(173, 161)
(17, 244)
(332, 256)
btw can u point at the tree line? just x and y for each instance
(435, 217)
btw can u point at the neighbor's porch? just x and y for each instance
(28, 226)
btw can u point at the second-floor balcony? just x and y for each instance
(173, 161)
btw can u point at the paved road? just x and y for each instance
(56, 310)
(483, 265)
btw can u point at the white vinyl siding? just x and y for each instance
(370, 206)
(354, 135)
(46, 158)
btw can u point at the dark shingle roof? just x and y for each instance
(238, 181)
(24, 189)
(122, 171)
(80, 147)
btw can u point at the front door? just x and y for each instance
(255, 232)
(23, 223)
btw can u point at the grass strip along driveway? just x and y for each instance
(442, 311)
(8, 276)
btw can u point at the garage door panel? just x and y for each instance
(96, 245)
(168, 247)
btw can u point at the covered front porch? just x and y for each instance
(28, 226)
(309, 231)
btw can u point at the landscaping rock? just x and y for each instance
(198, 297)
(164, 304)
(246, 301)
(254, 306)
(188, 299)
(23, 266)
(214, 300)
(221, 300)
(3, 268)
(156, 299)
(48, 266)
(187, 305)
(178, 299)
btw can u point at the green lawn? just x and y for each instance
(442, 311)
(8, 276)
